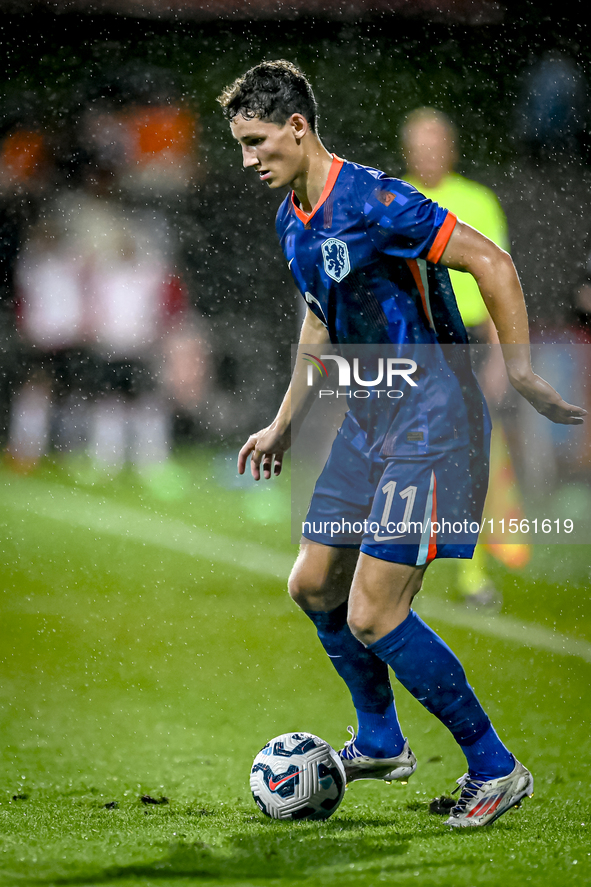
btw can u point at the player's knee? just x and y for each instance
(362, 623)
(310, 592)
(295, 590)
(302, 590)
(369, 620)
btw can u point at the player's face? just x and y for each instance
(272, 150)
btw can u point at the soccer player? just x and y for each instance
(370, 254)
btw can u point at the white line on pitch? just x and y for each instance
(101, 515)
(106, 517)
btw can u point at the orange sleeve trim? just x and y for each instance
(333, 173)
(442, 239)
(432, 550)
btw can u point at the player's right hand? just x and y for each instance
(266, 449)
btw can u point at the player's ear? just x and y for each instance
(299, 125)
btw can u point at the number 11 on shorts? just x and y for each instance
(409, 493)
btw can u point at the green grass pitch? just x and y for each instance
(140, 659)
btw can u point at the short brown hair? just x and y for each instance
(272, 91)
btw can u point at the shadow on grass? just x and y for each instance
(296, 855)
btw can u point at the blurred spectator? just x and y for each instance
(108, 334)
(583, 297)
(25, 171)
(23, 157)
(582, 307)
(150, 142)
(551, 109)
(187, 371)
(114, 356)
(94, 218)
(27, 175)
(137, 304)
(162, 157)
(429, 142)
(49, 407)
(135, 297)
(546, 197)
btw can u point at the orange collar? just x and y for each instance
(330, 182)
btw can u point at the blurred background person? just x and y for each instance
(111, 349)
(48, 411)
(26, 174)
(429, 144)
(547, 198)
(135, 300)
(430, 148)
(152, 349)
(134, 295)
(582, 309)
(551, 109)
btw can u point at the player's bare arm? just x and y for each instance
(497, 278)
(266, 447)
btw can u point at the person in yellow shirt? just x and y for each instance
(429, 142)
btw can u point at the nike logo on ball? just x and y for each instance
(275, 785)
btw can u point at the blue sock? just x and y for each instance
(366, 676)
(433, 674)
(379, 734)
(487, 757)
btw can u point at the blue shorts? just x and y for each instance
(408, 510)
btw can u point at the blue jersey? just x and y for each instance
(365, 260)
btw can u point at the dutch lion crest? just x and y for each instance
(336, 258)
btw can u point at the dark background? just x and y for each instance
(368, 69)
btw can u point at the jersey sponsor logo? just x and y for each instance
(385, 197)
(335, 254)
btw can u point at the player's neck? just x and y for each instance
(309, 184)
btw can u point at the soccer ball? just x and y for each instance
(297, 776)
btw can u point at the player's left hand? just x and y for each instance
(266, 449)
(547, 401)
